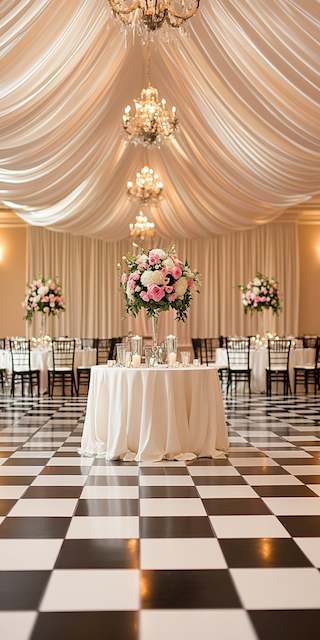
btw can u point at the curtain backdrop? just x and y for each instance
(246, 87)
(90, 277)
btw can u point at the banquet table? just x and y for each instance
(150, 414)
(259, 363)
(41, 359)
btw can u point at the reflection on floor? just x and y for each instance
(226, 549)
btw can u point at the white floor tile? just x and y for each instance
(75, 461)
(8, 492)
(278, 588)
(92, 590)
(253, 462)
(226, 470)
(296, 453)
(20, 471)
(16, 625)
(228, 624)
(103, 527)
(225, 491)
(311, 548)
(294, 506)
(171, 507)
(302, 469)
(165, 481)
(248, 527)
(32, 454)
(116, 470)
(270, 480)
(110, 492)
(60, 481)
(28, 555)
(181, 553)
(44, 507)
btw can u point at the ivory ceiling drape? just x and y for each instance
(88, 270)
(246, 86)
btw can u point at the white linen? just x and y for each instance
(41, 359)
(150, 414)
(246, 87)
(88, 270)
(259, 363)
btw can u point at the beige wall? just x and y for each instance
(309, 244)
(12, 279)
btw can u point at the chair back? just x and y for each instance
(63, 351)
(309, 342)
(317, 357)
(204, 349)
(20, 354)
(106, 349)
(3, 343)
(238, 351)
(88, 343)
(279, 353)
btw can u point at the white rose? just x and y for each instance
(159, 252)
(181, 286)
(130, 295)
(42, 291)
(257, 282)
(245, 302)
(256, 290)
(168, 263)
(142, 259)
(151, 277)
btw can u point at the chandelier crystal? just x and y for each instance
(142, 228)
(151, 15)
(147, 186)
(150, 122)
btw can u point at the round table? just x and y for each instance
(259, 363)
(41, 359)
(150, 414)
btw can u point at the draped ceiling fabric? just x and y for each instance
(246, 86)
(88, 270)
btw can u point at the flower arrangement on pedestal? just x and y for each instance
(261, 293)
(44, 295)
(156, 280)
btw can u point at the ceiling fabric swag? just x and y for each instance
(246, 87)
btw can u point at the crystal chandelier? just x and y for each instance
(142, 228)
(150, 122)
(151, 15)
(147, 186)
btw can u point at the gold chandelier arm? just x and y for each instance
(114, 4)
(187, 14)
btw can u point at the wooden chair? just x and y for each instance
(105, 351)
(22, 371)
(3, 372)
(204, 349)
(239, 370)
(61, 371)
(278, 364)
(303, 373)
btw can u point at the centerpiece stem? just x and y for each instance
(155, 324)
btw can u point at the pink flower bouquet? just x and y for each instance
(43, 295)
(157, 280)
(261, 293)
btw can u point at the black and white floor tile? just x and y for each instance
(226, 549)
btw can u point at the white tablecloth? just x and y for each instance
(150, 414)
(259, 363)
(41, 359)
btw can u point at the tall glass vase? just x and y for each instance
(155, 325)
(43, 326)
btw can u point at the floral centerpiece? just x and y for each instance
(261, 293)
(157, 280)
(44, 296)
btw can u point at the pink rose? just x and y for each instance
(257, 299)
(190, 283)
(155, 292)
(135, 276)
(52, 286)
(271, 291)
(176, 272)
(172, 297)
(168, 289)
(143, 266)
(153, 260)
(131, 283)
(263, 299)
(144, 296)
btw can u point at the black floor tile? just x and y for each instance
(182, 527)
(301, 526)
(168, 492)
(53, 492)
(203, 589)
(99, 554)
(263, 553)
(235, 506)
(34, 527)
(284, 491)
(286, 625)
(118, 481)
(22, 590)
(87, 625)
(106, 507)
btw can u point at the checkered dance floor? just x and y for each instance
(225, 549)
